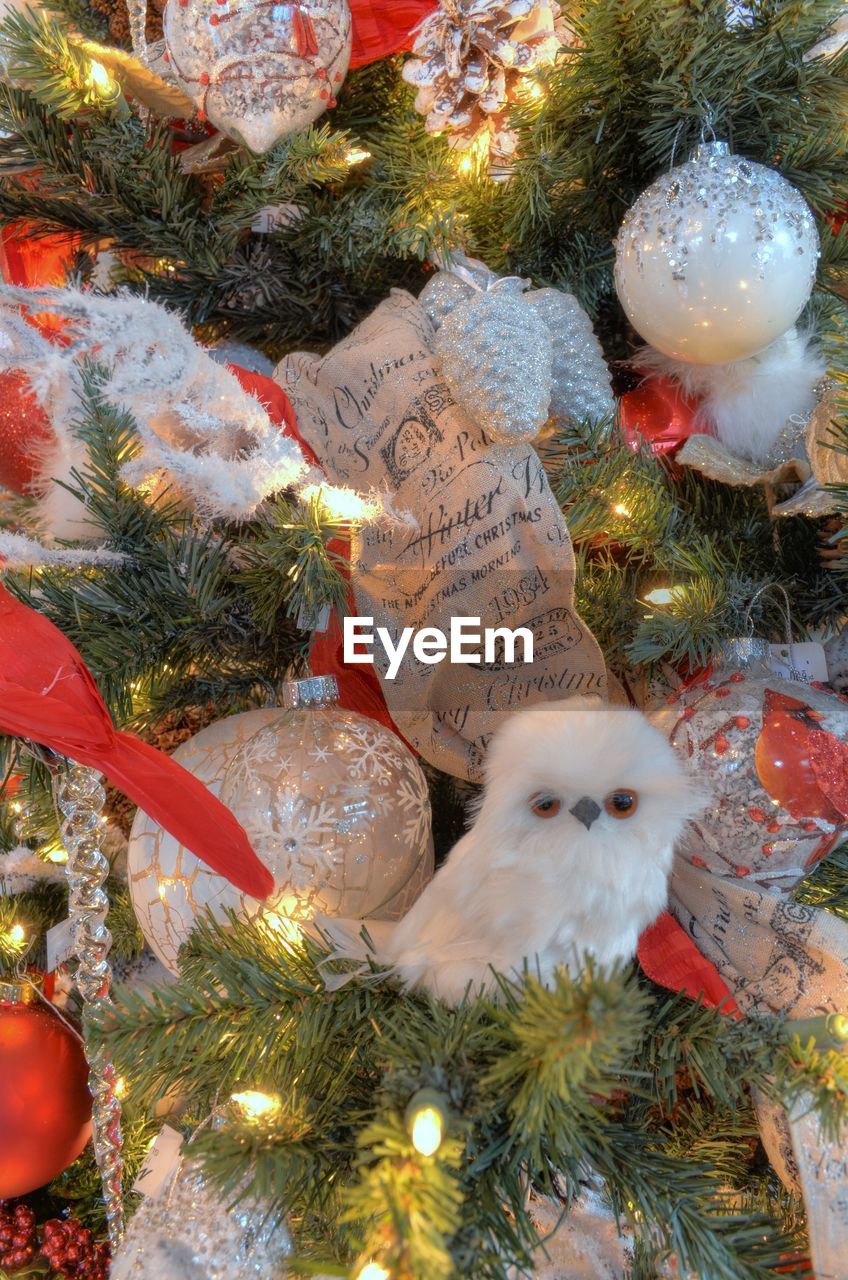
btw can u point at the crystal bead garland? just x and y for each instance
(80, 798)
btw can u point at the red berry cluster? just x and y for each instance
(72, 1250)
(18, 1236)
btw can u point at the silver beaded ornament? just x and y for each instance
(189, 1232)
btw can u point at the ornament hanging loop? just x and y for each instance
(767, 589)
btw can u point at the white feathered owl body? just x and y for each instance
(570, 853)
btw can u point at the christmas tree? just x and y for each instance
(477, 215)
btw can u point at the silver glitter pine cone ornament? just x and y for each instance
(497, 356)
(581, 385)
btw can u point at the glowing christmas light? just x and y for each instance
(373, 1271)
(256, 1105)
(425, 1119)
(664, 595)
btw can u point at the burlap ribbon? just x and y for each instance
(483, 538)
(779, 956)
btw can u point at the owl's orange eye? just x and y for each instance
(621, 804)
(545, 806)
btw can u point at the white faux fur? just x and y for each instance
(748, 403)
(519, 887)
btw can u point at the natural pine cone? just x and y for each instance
(470, 57)
(118, 22)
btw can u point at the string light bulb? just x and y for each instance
(426, 1119)
(102, 84)
(621, 510)
(17, 935)
(664, 595)
(256, 1105)
(357, 155)
(340, 503)
(373, 1271)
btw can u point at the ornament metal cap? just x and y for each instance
(21, 990)
(712, 150)
(744, 650)
(314, 691)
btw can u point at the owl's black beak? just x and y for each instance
(586, 811)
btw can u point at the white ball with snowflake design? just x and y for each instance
(335, 805)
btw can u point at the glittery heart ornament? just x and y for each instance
(774, 755)
(258, 69)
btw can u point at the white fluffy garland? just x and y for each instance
(195, 422)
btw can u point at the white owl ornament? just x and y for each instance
(569, 855)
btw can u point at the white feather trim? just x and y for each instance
(748, 403)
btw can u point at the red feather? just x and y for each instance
(48, 694)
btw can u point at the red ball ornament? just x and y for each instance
(658, 412)
(45, 1106)
(773, 754)
(25, 430)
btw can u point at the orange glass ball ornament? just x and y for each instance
(45, 1106)
(25, 430)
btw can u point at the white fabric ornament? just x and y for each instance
(497, 356)
(570, 854)
(749, 403)
(259, 70)
(716, 259)
(582, 1244)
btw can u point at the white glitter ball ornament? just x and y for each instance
(716, 259)
(170, 888)
(259, 70)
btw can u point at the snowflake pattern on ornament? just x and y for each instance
(338, 809)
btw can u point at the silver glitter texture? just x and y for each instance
(582, 386)
(497, 356)
(580, 380)
(188, 1233)
(258, 69)
(719, 182)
